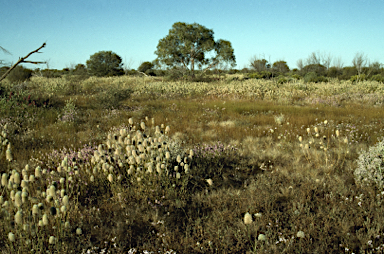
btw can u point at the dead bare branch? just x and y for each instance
(22, 60)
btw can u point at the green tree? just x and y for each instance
(280, 67)
(145, 66)
(190, 45)
(105, 63)
(259, 64)
(80, 69)
(318, 69)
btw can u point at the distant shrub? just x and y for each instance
(313, 77)
(233, 71)
(357, 78)
(131, 72)
(261, 75)
(347, 73)
(334, 72)
(145, 66)
(370, 166)
(378, 78)
(112, 97)
(318, 69)
(295, 76)
(174, 74)
(281, 79)
(19, 74)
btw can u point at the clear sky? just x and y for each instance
(276, 29)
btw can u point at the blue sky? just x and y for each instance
(276, 29)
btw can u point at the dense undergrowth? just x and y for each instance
(133, 165)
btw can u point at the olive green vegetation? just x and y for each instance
(283, 152)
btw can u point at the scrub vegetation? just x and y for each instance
(132, 164)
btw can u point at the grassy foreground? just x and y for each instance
(133, 165)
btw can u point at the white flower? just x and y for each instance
(262, 237)
(300, 234)
(45, 219)
(11, 237)
(52, 240)
(209, 181)
(19, 217)
(247, 218)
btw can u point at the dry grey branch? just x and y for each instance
(22, 60)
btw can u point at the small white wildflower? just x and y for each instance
(300, 234)
(11, 237)
(52, 240)
(8, 155)
(16, 178)
(209, 181)
(19, 217)
(79, 231)
(65, 200)
(45, 219)
(247, 218)
(262, 237)
(63, 209)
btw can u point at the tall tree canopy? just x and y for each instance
(105, 63)
(190, 45)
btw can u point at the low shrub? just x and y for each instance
(370, 169)
(378, 78)
(313, 77)
(19, 74)
(112, 97)
(358, 78)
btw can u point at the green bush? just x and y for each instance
(357, 78)
(378, 78)
(281, 79)
(261, 75)
(19, 74)
(112, 97)
(144, 67)
(313, 77)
